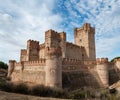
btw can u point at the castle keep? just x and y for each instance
(58, 63)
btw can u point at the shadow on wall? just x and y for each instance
(114, 75)
(79, 79)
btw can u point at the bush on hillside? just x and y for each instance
(8, 87)
(3, 65)
(21, 88)
(114, 59)
(38, 90)
(41, 90)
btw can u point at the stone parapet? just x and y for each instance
(86, 27)
(32, 41)
(89, 62)
(101, 60)
(23, 51)
(11, 67)
(32, 44)
(67, 61)
(40, 62)
(63, 35)
(52, 34)
(12, 61)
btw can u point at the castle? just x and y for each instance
(58, 63)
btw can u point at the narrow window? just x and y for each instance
(82, 56)
(80, 40)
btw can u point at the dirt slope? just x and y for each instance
(14, 96)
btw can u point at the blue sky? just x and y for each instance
(21, 20)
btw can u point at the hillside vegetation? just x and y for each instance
(114, 59)
(3, 65)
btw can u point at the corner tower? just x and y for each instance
(32, 50)
(85, 36)
(53, 59)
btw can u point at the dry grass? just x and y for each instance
(14, 96)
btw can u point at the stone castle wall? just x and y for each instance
(114, 71)
(42, 51)
(29, 72)
(117, 63)
(84, 36)
(23, 55)
(78, 51)
(99, 73)
(58, 63)
(102, 69)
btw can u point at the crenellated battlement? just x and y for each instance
(32, 44)
(32, 41)
(101, 60)
(23, 51)
(63, 35)
(12, 61)
(89, 62)
(33, 63)
(68, 61)
(77, 62)
(52, 34)
(86, 27)
(40, 62)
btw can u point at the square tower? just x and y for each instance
(32, 50)
(85, 36)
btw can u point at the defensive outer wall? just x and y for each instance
(57, 63)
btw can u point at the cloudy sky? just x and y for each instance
(21, 20)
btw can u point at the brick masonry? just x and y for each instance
(56, 61)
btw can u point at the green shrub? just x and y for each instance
(114, 59)
(38, 90)
(78, 95)
(41, 90)
(21, 88)
(8, 87)
(58, 93)
(2, 81)
(3, 65)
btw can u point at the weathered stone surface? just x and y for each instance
(57, 61)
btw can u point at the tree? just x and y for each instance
(115, 58)
(3, 65)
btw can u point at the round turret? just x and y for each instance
(102, 69)
(54, 67)
(11, 67)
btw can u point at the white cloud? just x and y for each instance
(21, 20)
(105, 16)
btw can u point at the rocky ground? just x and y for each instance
(14, 96)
